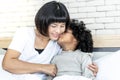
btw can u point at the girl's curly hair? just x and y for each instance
(83, 35)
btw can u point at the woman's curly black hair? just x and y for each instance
(83, 35)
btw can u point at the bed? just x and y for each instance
(106, 51)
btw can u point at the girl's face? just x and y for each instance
(55, 30)
(66, 38)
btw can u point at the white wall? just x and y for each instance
(100, 16)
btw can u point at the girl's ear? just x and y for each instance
(75, 40)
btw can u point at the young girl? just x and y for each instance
(77, 44)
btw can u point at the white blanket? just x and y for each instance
(68, 77)
(109, 67)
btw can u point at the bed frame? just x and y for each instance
(100, 41)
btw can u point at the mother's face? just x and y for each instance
(55, 30)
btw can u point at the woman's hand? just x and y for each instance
(94, 68)
(49, 69)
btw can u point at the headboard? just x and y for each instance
(106, 40)
(5, 41)
(106, 43)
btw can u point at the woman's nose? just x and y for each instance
(58, 30)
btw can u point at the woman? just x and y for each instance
(31, 50)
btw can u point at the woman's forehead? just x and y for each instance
(63, 23)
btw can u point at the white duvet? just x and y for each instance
(109, 67)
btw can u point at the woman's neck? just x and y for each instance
(41, 41)
(41, 36)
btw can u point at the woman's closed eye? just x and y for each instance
(54, 26)
(63, 26)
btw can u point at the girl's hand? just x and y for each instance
(94, 68)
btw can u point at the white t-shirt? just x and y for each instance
(23, 42)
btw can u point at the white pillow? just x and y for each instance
(109, 67)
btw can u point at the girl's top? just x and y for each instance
(73, 63)
(23, 42)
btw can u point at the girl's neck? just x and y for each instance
(69, 48)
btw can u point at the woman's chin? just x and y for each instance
(54, 38)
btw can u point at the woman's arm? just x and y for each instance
(94, 68)
(86, 60)
(12, 64)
